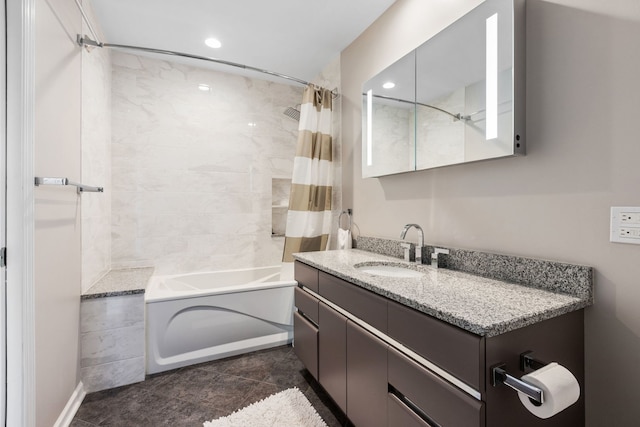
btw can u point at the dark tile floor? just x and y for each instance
(194, 394)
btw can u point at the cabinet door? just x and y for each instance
(366, 378)
(332, 354)
(305, 343)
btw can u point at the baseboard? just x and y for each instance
(69, 411)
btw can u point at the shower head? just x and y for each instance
(293, 113)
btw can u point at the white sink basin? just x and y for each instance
(389, 271)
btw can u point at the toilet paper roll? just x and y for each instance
(560, 388)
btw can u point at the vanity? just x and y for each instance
(420, 351)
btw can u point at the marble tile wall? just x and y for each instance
(96, 162)
(280, 191)
(191, 179)
(112, 341)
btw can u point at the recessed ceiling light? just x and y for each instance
(213, 43)
(389, 85)
(252, 124)
(203, 87)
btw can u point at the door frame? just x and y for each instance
(3, 215)
(20, 67)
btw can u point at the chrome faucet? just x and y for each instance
(420, 240)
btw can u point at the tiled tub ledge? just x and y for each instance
(112, 336)
(479, 304)
(127, 281)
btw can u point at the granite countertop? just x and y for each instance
(480, 305)
(127, 281)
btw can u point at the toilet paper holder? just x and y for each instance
(500, 376)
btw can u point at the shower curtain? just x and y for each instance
(309, 215)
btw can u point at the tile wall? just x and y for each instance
(112, 341)
(96, 162)
(191, 178)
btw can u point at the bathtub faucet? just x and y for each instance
(420, 240)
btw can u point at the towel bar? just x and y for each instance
(64, 181)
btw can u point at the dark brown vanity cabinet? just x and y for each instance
(431, 396)
(306, 276)
(332, 354)
(306, 338)
(453, 349)
(305, 330)
(402, 415)
(385, 364)
(352, 368)
(363, 304)
(366, 378)
(349, 362)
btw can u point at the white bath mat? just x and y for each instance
(288, 408)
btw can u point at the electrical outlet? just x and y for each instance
(630, 218)
(625, 225)
(632, 233)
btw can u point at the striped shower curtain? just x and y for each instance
(309, 214)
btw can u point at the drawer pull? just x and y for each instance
(409, 405)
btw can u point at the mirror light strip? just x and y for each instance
(492, 78)
(369, 127)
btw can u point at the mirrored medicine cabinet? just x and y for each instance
(457, 98)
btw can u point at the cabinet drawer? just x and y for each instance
(451, 348)
(306, 276)
(307, 305)
(363, 304)
(401, 415)
(305, 341)
(439, 400)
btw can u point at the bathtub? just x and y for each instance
(193, 318)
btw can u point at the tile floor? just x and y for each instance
(194, 394)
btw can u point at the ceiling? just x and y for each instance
(293, 37)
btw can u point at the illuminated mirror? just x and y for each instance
(458, 98)
(388, 125)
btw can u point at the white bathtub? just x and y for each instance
(193, 318)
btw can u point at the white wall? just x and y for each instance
(583, 94)
(191, 180)
(96, 160)
(57, 209)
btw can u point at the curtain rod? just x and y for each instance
(85, 41)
